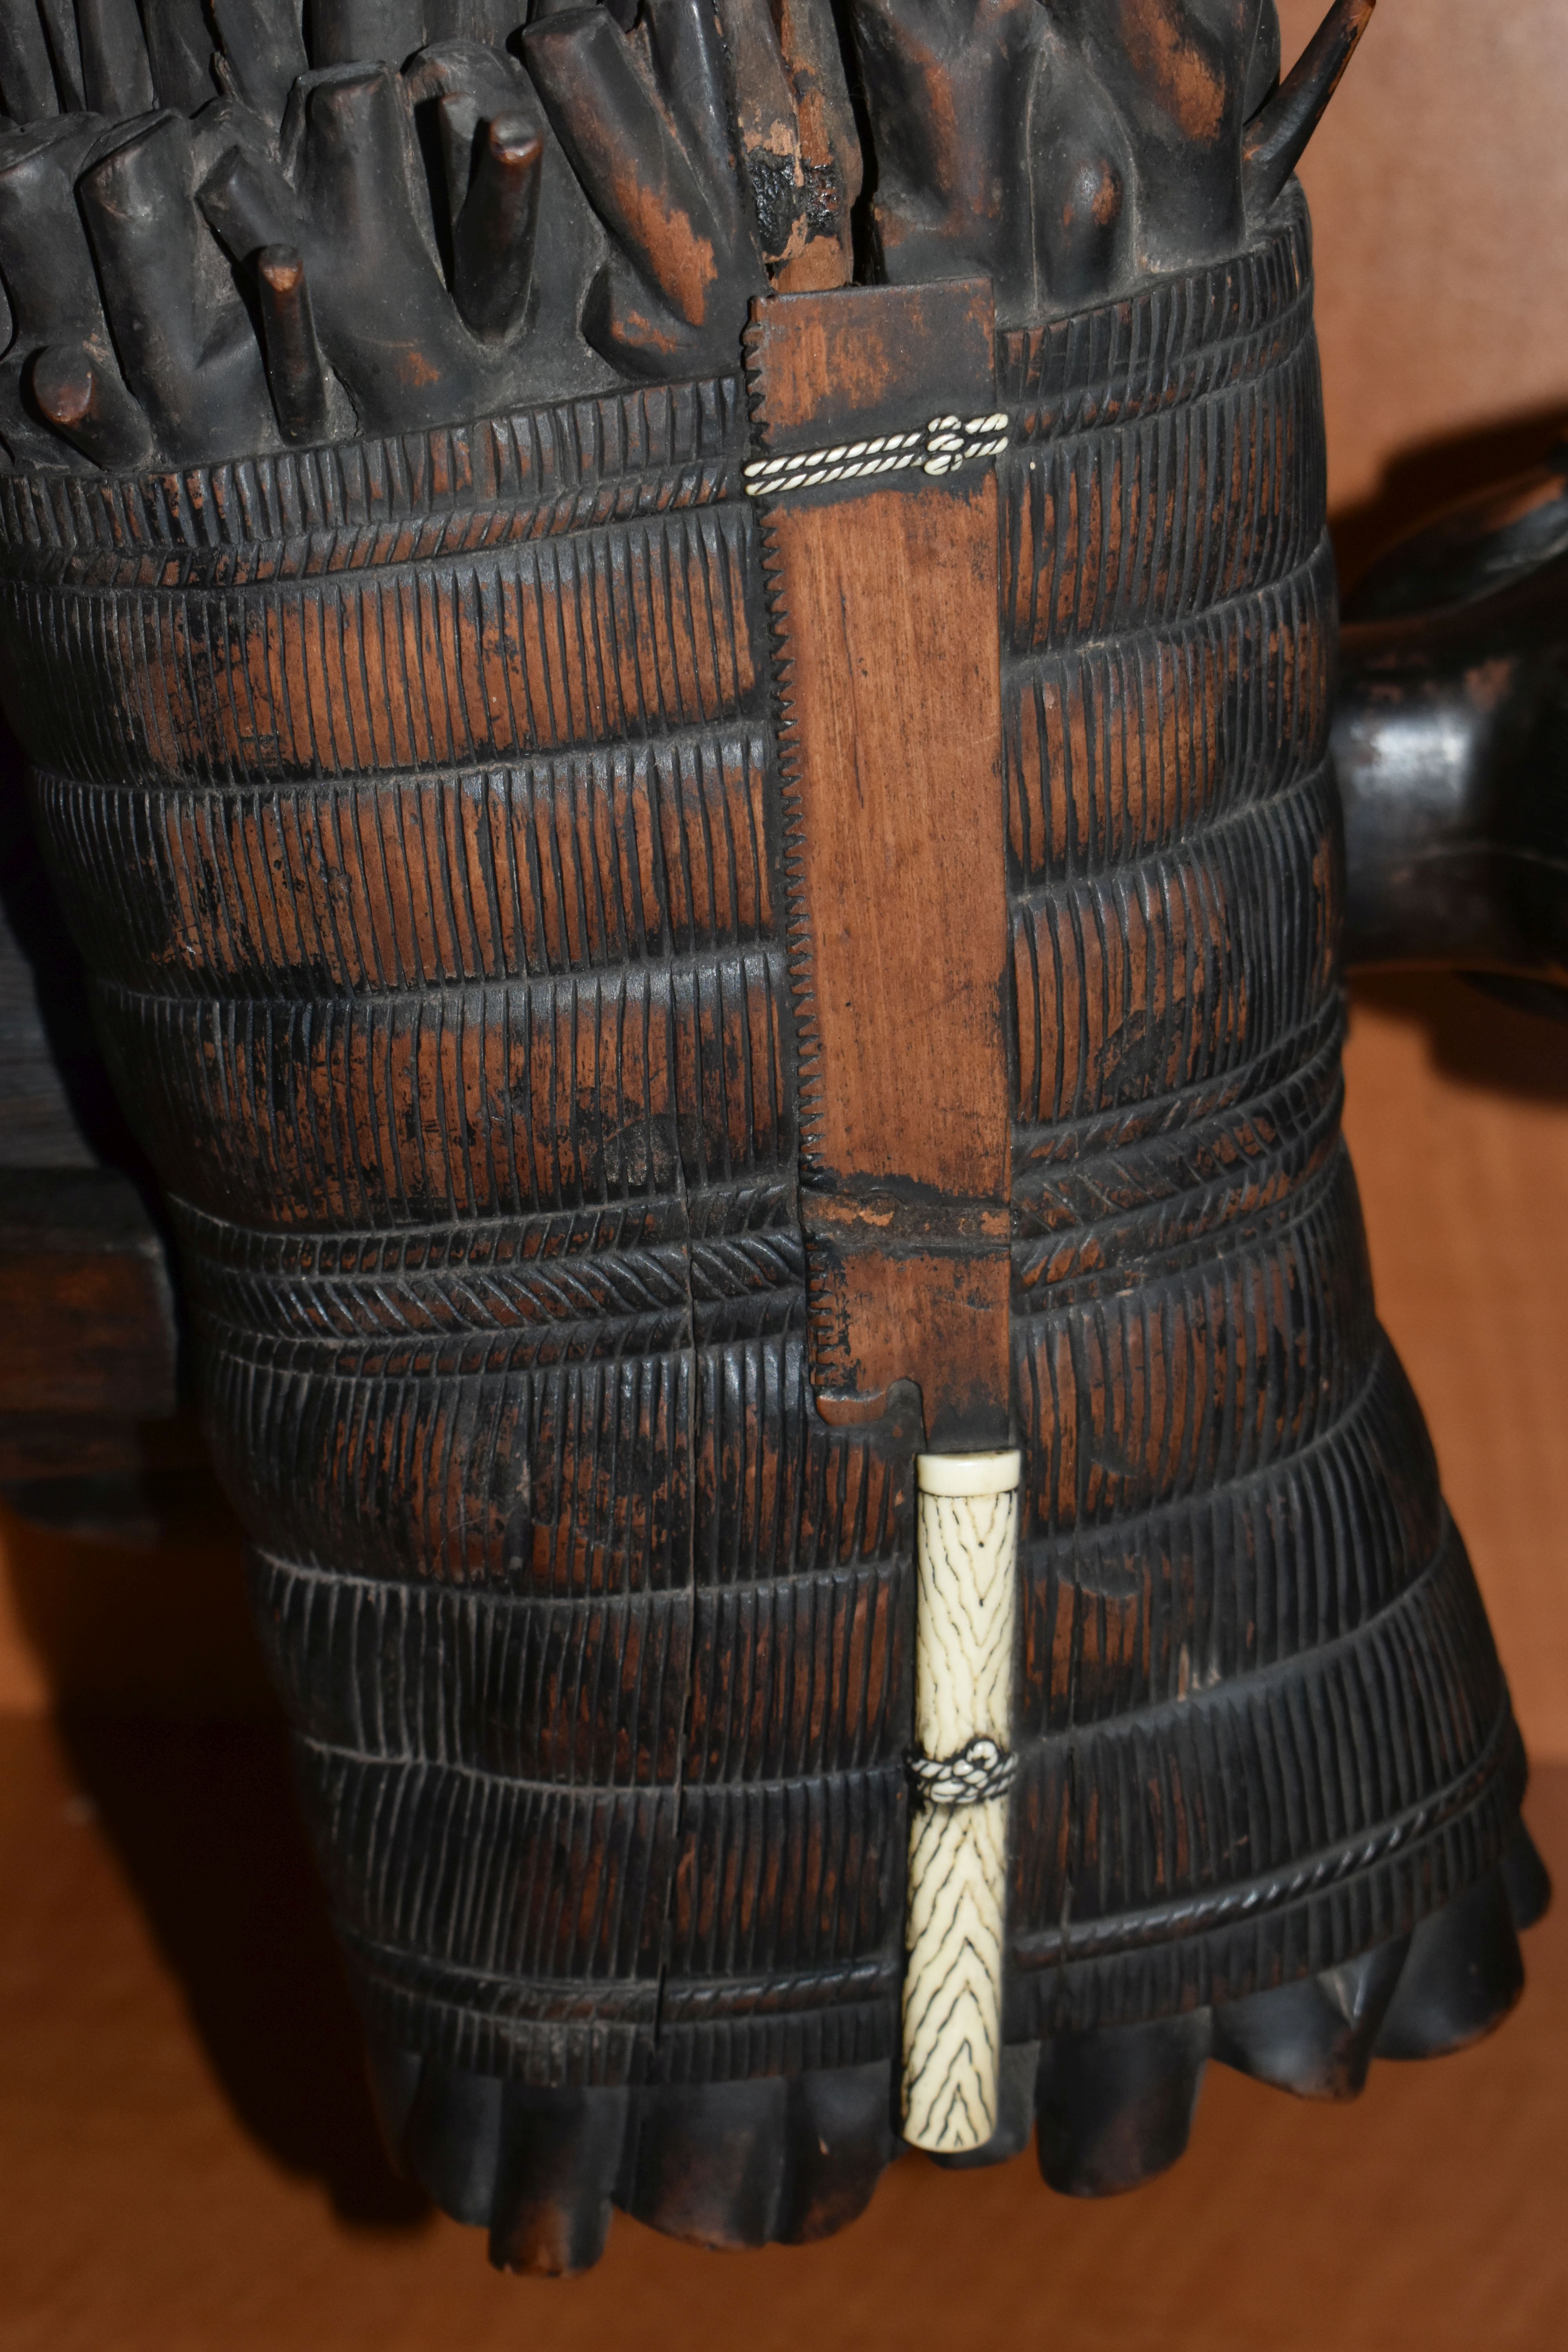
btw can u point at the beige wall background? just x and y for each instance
(1439, 186)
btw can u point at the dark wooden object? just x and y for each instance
(1451, 744)
(516, 941)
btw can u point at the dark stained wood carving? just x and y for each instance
(1449, 745)
(525, 832)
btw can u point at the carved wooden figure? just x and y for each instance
(677, 659)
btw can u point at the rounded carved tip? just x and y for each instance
(280, 268)
(63, 386)
(514, 143)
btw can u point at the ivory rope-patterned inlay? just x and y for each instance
(947, 442)
(966, 1613)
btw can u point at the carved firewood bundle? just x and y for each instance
(222, 231)
(682, 943)
(217, 235)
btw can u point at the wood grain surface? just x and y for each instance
(186, 2156)
(1444, 338)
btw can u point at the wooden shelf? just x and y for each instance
(187, 2158)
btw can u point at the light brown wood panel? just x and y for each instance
(187, 2159)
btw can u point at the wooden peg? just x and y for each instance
(1278, 137)
(91, 408)
(295, 371)
(494, 237)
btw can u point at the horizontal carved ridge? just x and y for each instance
(1140, 524)
(1113, 1208)
(460, 1867)
(1228, 1365)
(1257, 1745)
(368, 885)
(481, 1101)
(1146, 982)
(1177, 339)
(715, 1212)
(1191, 1595)
(638, 629)
(647, 1473)
(1128, 744)
(331, 504)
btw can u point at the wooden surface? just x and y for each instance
(883, 600)
(186, 2158)
(1456, 1112)
(1445, 358)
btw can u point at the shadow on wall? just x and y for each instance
(172, 1733)
(203, 1821)
(1418, 482)
(1473, 1039)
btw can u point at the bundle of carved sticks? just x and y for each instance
(678, 658)
(224, 228)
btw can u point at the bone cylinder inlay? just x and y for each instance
(967, 1534)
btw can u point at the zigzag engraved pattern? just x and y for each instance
(952, 1982)
(966, 1554)
(762, 1272)
(797, 929)
(1124, 1208)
